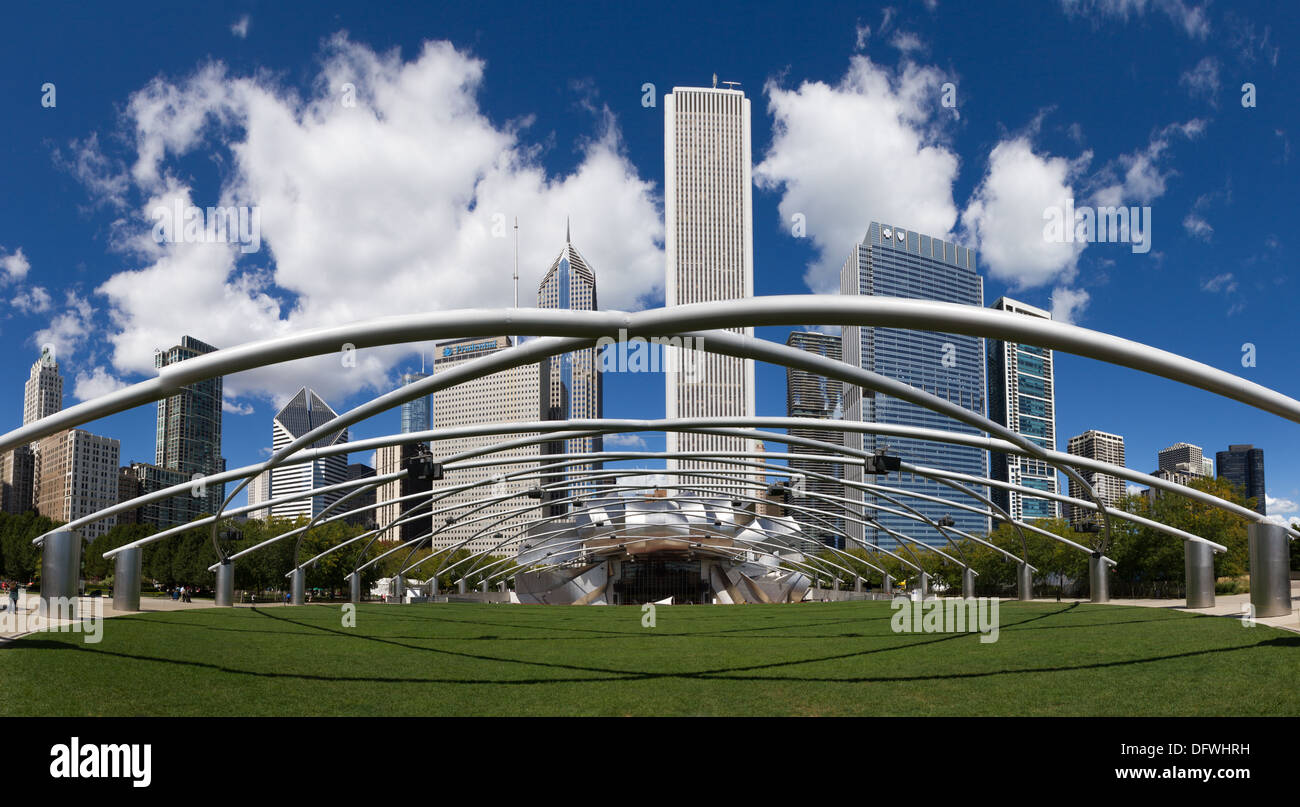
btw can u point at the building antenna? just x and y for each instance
(516, 339)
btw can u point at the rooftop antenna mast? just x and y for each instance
(516, 339)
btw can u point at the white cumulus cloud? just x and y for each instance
(867, 148)
(384, 190)
(99, 381)
(14, 264)
(1008, 212)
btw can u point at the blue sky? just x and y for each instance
(467, 116)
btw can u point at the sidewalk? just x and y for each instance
(1226, 605)
(147, 605)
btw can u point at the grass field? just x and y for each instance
(809, 659)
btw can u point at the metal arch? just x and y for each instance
(780, 560)
(506, 516)
(333, 505)
(725, 458)
(661, 487)
(475, 368)
(201, 522)
(623, 425)
(696, 474)
(526, 473)
(751, 434)
(918, 470)
(1089, 343)
(865, 311)
(607, 426)
(745, 541)
(643, 540)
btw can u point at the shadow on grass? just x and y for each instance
(605, 674)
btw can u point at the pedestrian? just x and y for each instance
(13, 596)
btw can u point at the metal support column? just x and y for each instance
(1024, 582)
(968, 582)
(60, 571)
(126, 580)
(225, 594)
(1098, 582)
(1270, 569)
(298, 587)
(1198, 562)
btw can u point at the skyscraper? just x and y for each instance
(415, 414)
(188, 434)
(508, 396)
(259, 491)
(1185, 458)
(1243, 465)
(17, 480)
(1105, 447)
(708, 246)
(893, 262)
(20, 469)
(808, 395)
(390, 460)
(79, 473)
(366, 519)
(305, 412)
(571, 384)
(43, 393)
(1022, 397)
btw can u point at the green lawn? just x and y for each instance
(810, 659)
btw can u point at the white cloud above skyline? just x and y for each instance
(360, 216)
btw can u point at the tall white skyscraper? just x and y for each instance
(305, 412)
(510, 396)
(259, 490)
(709, 247)
(1022, 397)
(43, 393)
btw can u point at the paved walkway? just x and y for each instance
(1228, 605)
(147, 605)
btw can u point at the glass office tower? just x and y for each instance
(1022, 397)
(1243, 465)
(893, 262)
(808, 395)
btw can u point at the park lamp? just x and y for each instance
(534, 493)
(881, 463)
(1089, 526)
(946, 521)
